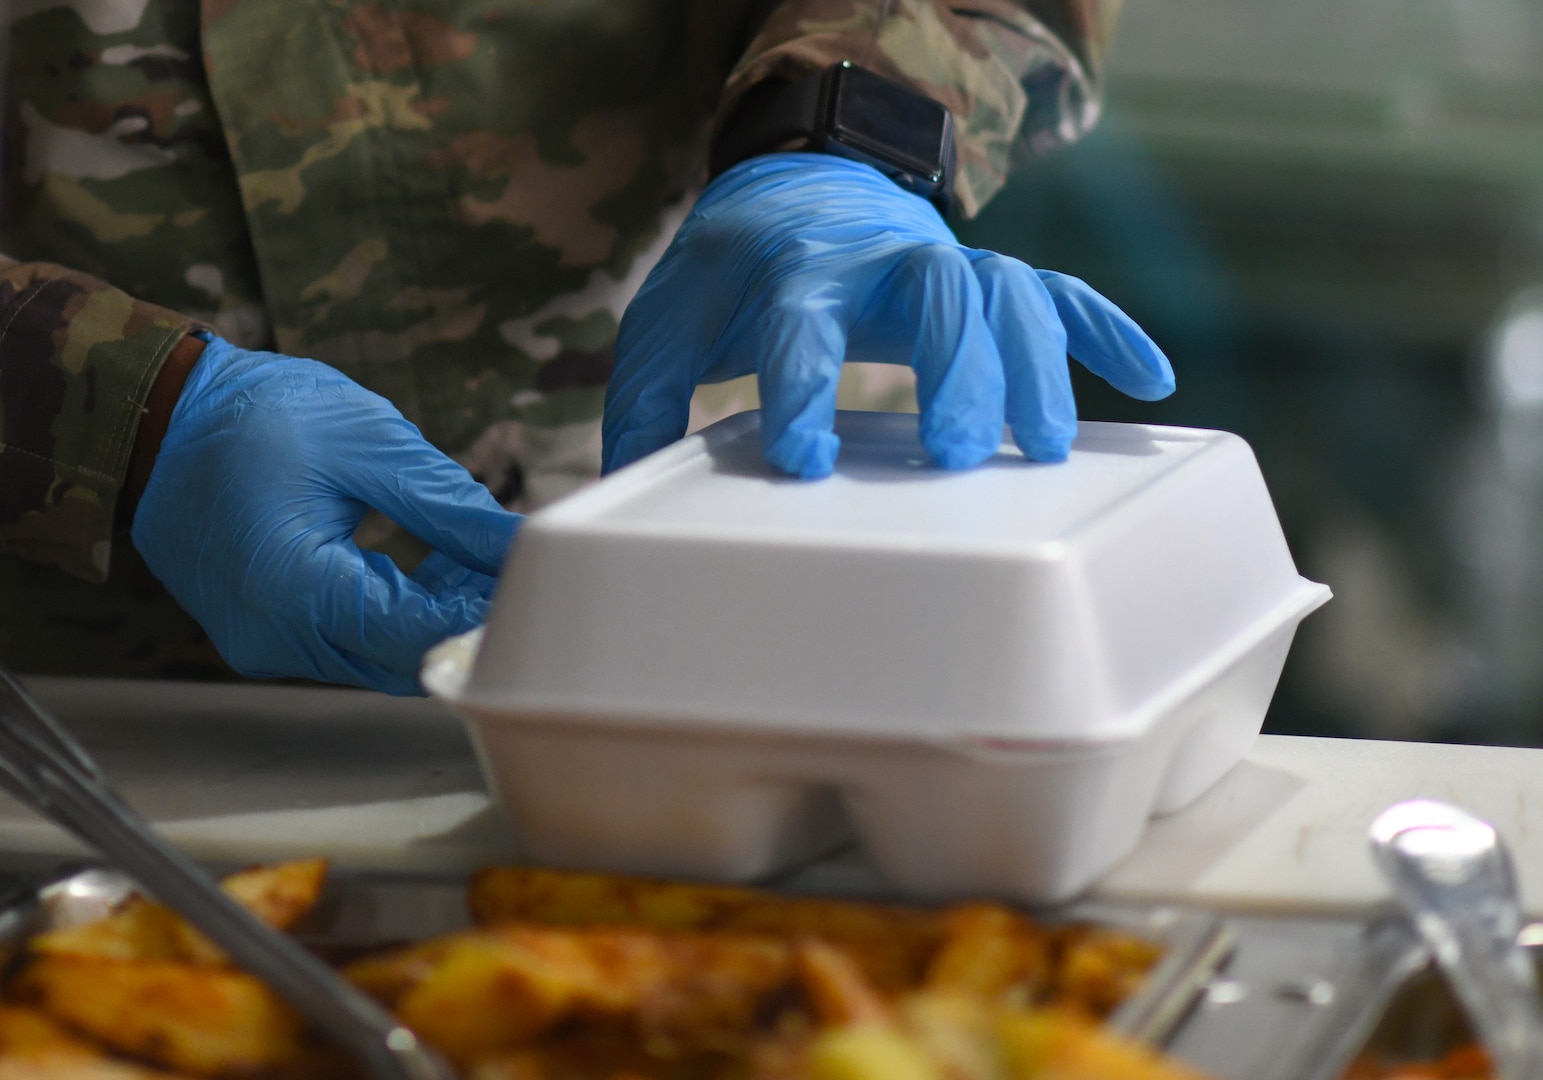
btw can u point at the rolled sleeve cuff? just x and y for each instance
(77, 360)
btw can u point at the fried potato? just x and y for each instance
(980, 948)
(891, 944)
(388, 976)
(54, 1067)
(564, 898)
(485, 994)
(990, 952)
(33, 1046)
(603, 1055)
(956, 1031)
(204, 1021)
(30, 1032)
(869, 1054)
(836, 989)
(1096, 969)
(1057, 1045)
(956, 1037)
(278, 895)
(141, 930)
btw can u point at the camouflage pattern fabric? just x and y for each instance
(71, 346)
(449, 200)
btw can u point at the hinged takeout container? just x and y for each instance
(996, 675)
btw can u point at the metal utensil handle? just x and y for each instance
(1453, 876)
(43, 766)
(1471, 929)
(43, 740)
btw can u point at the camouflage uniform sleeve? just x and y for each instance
(1012, 71)
(77, 359)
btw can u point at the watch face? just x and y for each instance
(889, 121)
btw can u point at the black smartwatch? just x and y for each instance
(853, 113)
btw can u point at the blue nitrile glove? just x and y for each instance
(268, 465)
(792, 262)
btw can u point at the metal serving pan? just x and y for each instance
(1299, 997)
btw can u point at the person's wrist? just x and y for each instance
(721, 156)
(162, 400)
(846, 111)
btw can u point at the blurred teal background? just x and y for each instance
(1330, 214)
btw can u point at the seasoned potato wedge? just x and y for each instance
(204, 1021)
(866, 1053)
(1096, 969)
(564, 898)
(388, 976)
(278, 895)
(983, 948)
(27, 1031)
(54, 1067)
(956, 1037)
(1056, 1045)
(486, 993)
(837, 992)
(33, 1046)
(990, 951)
(891, 944)
(603, 1055)
(142, 930)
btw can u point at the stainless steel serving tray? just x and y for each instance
(1299, 997)
(1241, 997)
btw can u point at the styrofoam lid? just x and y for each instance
(1070, 601)
(884, 492)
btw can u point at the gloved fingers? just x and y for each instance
(357, 620)
(374, 677)
(374, 621)
(318, 661)
(293, 646)
(661, 349)
(801, 341)
(1041, 409)
(933, 297)
(431, 496)
(334, 665)
(1107, 341)
(439, 573)
(643, 414)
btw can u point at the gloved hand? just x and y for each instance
(268, 465)
(792, 262)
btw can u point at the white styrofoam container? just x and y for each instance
(696, 666)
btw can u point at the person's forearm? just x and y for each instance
(1007, 69)
(78, 361)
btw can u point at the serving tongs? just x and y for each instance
(1453, 877)
(43, 766)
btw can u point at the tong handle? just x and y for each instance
(1453, 876)
(43, 766)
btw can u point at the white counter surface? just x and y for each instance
(239, 774)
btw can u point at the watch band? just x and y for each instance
(850, 112)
